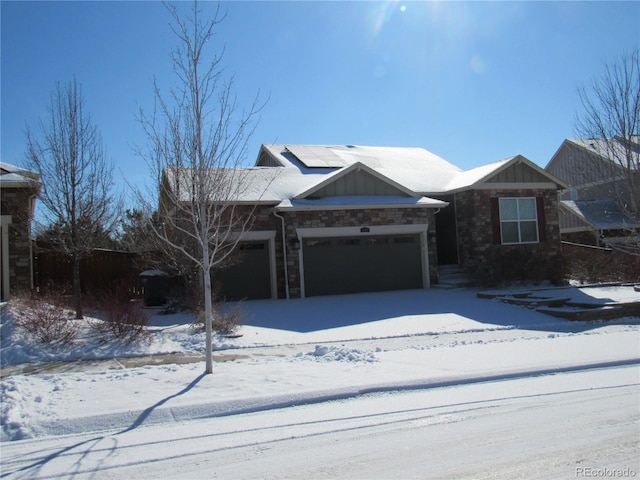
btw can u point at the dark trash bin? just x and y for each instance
(154, 285)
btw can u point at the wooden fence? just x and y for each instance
(587, 263)
(99, 271)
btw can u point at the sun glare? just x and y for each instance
(383, 13)
(434, 13)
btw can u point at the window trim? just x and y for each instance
(519, 221)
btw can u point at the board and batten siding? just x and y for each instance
(518, 173)
(357, 183)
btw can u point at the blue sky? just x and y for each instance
(473, 82)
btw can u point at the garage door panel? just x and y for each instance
(362, 264)
(249, 277)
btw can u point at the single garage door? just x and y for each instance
(361, 264)
(249, 277)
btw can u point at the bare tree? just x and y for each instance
(612, 117)
(198, 139)
(76, 179)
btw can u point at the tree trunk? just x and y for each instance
(206, 272)
(208, 315)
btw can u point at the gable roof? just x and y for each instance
(607, 147)
(604, 149)
(352, 170)
(414, 169)
(508, 172)
(296, 175)
(396, 164)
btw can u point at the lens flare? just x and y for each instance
(383, 13)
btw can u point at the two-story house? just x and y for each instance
(599, 205)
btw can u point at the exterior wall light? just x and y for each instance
(295, 244)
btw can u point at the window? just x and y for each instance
(574, 194)
(518, 220)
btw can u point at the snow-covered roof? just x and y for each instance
(401, 165)
(254, 184)
(614, 149)
(476, 176)
(601, 214)
(471, 177)
(13, 176)
(285, 175)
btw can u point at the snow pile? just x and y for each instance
(338, 354)
(13, 418)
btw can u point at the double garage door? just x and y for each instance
(334, 265)
(361, 264)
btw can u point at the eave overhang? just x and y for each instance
(354, 202)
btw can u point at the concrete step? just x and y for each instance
(452, 276)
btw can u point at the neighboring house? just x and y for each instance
(597, 207)
(18, 191)
(359, 219)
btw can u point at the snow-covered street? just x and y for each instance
(414, 384)
(553, 426)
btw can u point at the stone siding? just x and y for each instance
(493, 263)
(16, 202)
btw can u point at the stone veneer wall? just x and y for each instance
(493, 263)
(16, 202)
(265, 220)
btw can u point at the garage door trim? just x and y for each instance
(365, 230)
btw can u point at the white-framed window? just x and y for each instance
(518, 220)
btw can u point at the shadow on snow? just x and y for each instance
(320, 313)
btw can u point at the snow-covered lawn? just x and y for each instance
(341, 349)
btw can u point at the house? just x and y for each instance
(18, 191)
(598, 207)
(346, 219)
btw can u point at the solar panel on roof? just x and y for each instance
(316, 156)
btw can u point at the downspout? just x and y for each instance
(284, 252)
(426, 276)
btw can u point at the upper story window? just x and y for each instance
(518, 220)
